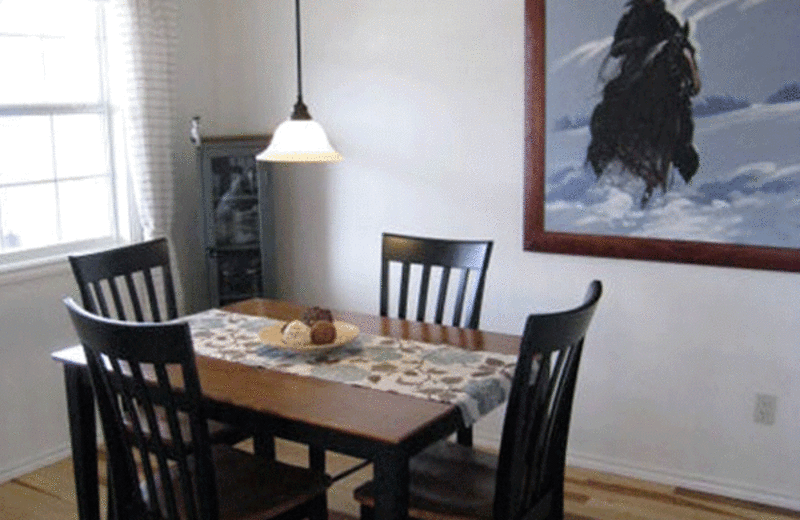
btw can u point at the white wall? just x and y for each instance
(425, 102)
(33, 323)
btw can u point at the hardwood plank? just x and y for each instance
(22, 502)
(614, 496)
(744, 505)
(54, 480)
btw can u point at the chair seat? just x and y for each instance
(253, 487)
(447, 481)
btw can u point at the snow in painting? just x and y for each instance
(747, 127)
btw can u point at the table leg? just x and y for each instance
(464, 436)
(316, 458)
(264, 445)
(391, 485)
(83, 436)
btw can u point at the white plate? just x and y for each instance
(272, 336)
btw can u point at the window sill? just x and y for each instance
(47, 266)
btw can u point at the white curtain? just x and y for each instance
(148, 37)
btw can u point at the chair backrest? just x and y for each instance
(128, 277)
(471, 257)
(530, 473)
(141, 371)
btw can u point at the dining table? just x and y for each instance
(383, 426)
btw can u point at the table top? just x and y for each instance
(335, 407)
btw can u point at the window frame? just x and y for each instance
(122, 209)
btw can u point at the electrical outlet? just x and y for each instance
(766, 406)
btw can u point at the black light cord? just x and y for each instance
(299, 67)
(300, 109)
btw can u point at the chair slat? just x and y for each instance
(384, 297)
(169, 292)
(116, 297)
(404, 282)
(152, 295)
(133, 295)
(422, 301)
(442, 300)
(460, 295)
(102, 306)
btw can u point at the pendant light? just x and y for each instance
(299, 138)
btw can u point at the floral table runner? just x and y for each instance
(476, 382)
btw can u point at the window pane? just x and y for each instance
(51, 51)
(28, 216)
(47, 17)
(72, 70)
(21, 58)
(26, 149)
(80, 145)
(86, 209)
(61, 70)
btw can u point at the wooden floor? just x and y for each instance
(49, 494)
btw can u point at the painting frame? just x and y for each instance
(537, 239)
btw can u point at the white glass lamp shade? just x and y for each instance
(299, 141)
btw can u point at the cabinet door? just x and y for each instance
(238, 234)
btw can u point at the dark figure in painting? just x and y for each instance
(644, 120)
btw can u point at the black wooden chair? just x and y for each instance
(134, 282)
(136, 279)
(526, 480)
(470, 257)
(137, 367)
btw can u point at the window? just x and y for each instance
(58, 188)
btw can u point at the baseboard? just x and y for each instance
(32, 464)
(694, 482)
(667, 477)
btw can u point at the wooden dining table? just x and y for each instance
(384, 427)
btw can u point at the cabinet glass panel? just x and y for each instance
(238, 205)
(235, 200)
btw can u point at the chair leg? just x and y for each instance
(319, 508)
(264, 445)
(367, 513)
(557, 510)
(316, 458)
(464, 436)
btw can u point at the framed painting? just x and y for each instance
(664, 130)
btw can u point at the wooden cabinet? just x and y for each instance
(239, 234)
